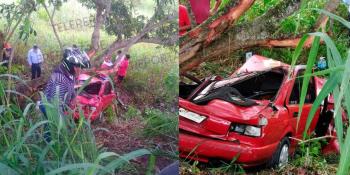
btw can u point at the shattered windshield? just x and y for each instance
(226, 81)
(262, 85)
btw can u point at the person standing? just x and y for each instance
(122, 68)
(184, 20)
(201, 9)
(107, 63)
(63, 78)
(6, 54)
(35, 59)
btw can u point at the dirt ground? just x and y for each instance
(125, 135)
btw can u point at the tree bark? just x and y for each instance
(151, 25)
(260, 32)
(102, 10)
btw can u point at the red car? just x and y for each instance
(95, 97)
(251, 116)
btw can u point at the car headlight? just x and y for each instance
(252, 131)
(248, 130)
(191, 115)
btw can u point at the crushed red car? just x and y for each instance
(95, 97)
(251, 116)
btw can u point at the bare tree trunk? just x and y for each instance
(95, 39)
(53, 24)
(102, 12)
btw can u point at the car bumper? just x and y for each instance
(205, 149)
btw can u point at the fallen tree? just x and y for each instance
(128, 28)
(222, 34)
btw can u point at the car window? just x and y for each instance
(108, 88)
(93, 88)
(296, 92)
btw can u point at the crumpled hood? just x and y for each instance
(226, 110)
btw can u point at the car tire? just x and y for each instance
(281, 155)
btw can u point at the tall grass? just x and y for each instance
(337, 85)
(72, 150)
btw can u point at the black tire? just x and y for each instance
(275, 161)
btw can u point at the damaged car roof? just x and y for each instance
(258, 63)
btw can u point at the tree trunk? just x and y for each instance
(138, 38)
(53, 24)
(217, 39)
(102, 11)
(95, 39)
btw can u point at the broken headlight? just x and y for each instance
(248, 130)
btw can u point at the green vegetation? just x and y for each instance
(160, 123)
(72, 149)
(337, 84)
(76, 148)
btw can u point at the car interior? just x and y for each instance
(91, 89)
(243, 92)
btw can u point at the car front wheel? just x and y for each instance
(281, 156)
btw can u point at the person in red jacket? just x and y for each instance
(184, 20)
(122, 68)
(201, 9)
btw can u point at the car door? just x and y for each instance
(107, 95)
(292, 104)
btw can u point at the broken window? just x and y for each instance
(93, 88)
(296, 92)
(244, 90)
(261, 87)
(108, 88)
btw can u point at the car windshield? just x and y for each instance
(262, 85)
(93, 88)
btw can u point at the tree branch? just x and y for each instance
(260, 32)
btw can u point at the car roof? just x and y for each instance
(94, 79)
(261, 63)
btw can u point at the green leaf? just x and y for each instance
(327, 88)
(310, 62)
(151, 165)
(72, 167)
(6, 170)
(117, 163)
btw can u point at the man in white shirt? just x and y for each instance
(35, 58)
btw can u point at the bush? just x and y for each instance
(132, 112)
(160, 123)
